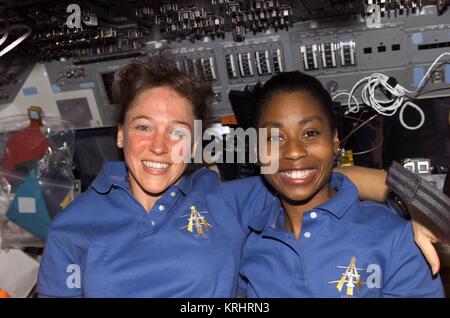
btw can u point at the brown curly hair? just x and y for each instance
(159, 71)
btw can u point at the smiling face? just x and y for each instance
(306, 147)
(156, 122)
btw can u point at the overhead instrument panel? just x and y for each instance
(230, 43)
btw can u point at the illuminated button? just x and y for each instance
(307, 235)
(313, 215)
(161, 208)
(172, 194)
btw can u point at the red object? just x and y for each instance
(4, 294)
(26, 145)
(228, 120)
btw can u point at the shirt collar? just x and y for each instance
(116, 173)
(200, 180)
(346, 195)
(268, 216)
(112, 173)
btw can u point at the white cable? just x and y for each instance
(422, 116)
(427, 74)
(17, 41)
(356, 109)
(387, 106)
(350, 96)
(5, 31)
(4, 37)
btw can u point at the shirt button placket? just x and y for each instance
(313, 216)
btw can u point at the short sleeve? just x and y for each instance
(248, 196)
(60, 270)
(408, 274)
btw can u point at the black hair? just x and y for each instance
(291, 82)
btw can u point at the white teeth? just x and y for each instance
(155, 165)
(298, 174)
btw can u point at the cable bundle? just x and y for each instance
(385, 95)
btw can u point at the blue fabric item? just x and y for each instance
(104, 244)
(347, 248)
(29, 91)
(36, 222)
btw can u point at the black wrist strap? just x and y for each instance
(398, 205)
(431, 202)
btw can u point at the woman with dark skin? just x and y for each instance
(318, 239)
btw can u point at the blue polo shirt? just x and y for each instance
(347, 248)
(104, 244)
